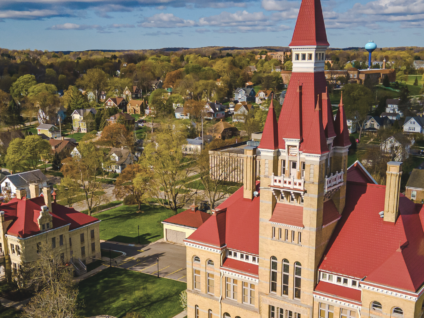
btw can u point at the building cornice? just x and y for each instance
(203, 246)
(226, 271)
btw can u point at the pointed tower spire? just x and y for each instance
(310, 27)
(342, 131)
(316, 143)
(327, 115)
(269, 138)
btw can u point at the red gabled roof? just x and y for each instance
(330, 214)
(25, 212)
(357, 173)
(189, 218)
(363, 244)
(310, 27)
(270, 133)
(342, 131)
(240, 266)
(316, 142)
(213, 230)
(327, 116)
(338, 291)
(288, 214)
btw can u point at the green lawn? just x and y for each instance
(29, 129)
(116, 291)
(141, 133)
(104, 206)
(121, 223)
(76, 136)
(198, 185)
(351, 159)
(78, 198)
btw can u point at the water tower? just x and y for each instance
(370, 47)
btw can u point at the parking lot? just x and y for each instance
(162, 259)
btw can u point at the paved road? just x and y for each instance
(106, 198)
(172, 259)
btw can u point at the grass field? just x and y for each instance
(116, 291)
(414, 90)
(76, 136)
(121, 223)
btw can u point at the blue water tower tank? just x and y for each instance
(370, 47)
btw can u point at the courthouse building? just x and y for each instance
(310, 238)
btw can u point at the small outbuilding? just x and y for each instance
(182, 225)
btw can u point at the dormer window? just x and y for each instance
(296, 56)
(303, 56)
(310, 57)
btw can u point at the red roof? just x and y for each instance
(357, 173)
(236, 224)
(342, 131)
(310, 27)
(311, 124)
(288, 214)
(189, 218)
(330, 214)
(338, 291)
(327, 116)
(25, 212)
(270, 133)
(363, 244)
(240, 266)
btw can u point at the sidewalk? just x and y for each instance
(181, 314)
(91, 273)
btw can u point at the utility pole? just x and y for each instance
(139, 234)
(158, 266)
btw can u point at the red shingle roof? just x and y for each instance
(189, 218)
(330, 213)
(240, 266)
(270, 133)
(288, 214)
(310, 27)
(342, 130)
(338, 291)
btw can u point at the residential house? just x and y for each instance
(27, 221)
(419, 64)
(397, 146)
(219, 82)
(352, 126)
(182, 113)
(135, 107)
(91, 96)
(182, 225)
(75, 153)
(82, 119)
(240, 112)
(244, 95)
(119, 102)
(193, 146)
(374, 123)
(126, 118)
(50, 131)
(392, 106)
(157, 84)
(132, 94)
(231, 106)
(121, 158)
(223, 130)
(55, 115)
(62, 147)
(414, 125)
(13, 182)
(263, 95)
(391, 116)
(214, 111)
(414, 189)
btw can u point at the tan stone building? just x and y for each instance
(134, 107)
(25, 223)
(305, 240)
(414, 189)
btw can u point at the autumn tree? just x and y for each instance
(55, 291)
(117, 86)
(68, 190)
(27, 154)
(172, 77)
(73, 99)
(117, 135)
(95, 80)
(133, 181)
(83, 170)
(165, 158)
(22, 85)
(195, 108)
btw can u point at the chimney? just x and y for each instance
(20, 193)
(34, 190)
(249, 177)
(47, 198)
(391, 200)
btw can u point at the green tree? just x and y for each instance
(13, 117)
(68, 190)
(22, 85)
(358, 100)
(416, 81)
(157, 102)
(26, 154)
(73, 99)
(95, 80)
(42, 87)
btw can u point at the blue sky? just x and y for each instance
(150, 24)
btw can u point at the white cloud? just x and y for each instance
(73, 26)
(34, 14)
(166, 20)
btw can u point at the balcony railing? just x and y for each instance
(333, 181)
(288, 182)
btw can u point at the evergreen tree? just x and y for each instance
(78, 101)
(56, 163)
(416, 81)
(98, 119)
(386, 81)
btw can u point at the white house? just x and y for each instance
(23, 180)
(121, 158)
(75, 153)
(352, 126)
(79, 119)
(392, 106)
(262, 96)
(397, 146)
(414, 125)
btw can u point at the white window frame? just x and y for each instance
(248, 291)
(327, 310)
(210, 287)
(196, 274)
(231, 288)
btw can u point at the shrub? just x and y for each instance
(130, 200)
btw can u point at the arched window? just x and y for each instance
(196, 259)
(397, 312)
(226, 315)
(285, 277)
(210, 313)
(375, 305)
(273, 275)
(210, 263)
(196, 311)
(297, 280)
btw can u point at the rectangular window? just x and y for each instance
(273, 232)
(82, 237)
(83, 251)
(289, 314)
(285, 280)
(231, 288)
(280, 234)
(93, 247)
(326, 311)
(43, 227)
(47, 225)
(297, 315)
(286, 235)
(61, 240)
(92, 234)
(62, 257)
(323, 276)
(280, 313)
(354, 284)
(230, 253)
(53, 242)
(413, 195)
(292, 236)
(345, 313)
(299, 237)
(70, 242)
(345, 281)
(297, 280)
(272, 312)
(310, 56)
(211, 283)
(303, 165)
(339, 280)
(38, 247)
(296, 57)
(18, 250)
(283, 167)
(303, 56)
(196, 279)
(273, 277)
(330, 278)
(248, 293)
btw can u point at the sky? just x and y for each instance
(60, 25)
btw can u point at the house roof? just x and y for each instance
(269, 138)
(416, 179)
(24, 214)
(127, 117)
(45, 126)
(116, 100)
(122, 154)
(386, 253)
(418, 119)
(135, 103)
(59, 145)
(246, 106)
(333, 290)
(190, 218)
(25, 178)
(237, 266)
(220, 126)
(357, 173)
(267, 93)
(310, 27)
(392, 101)
(84, 112)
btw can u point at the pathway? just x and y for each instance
(181, 314)
(19, 305)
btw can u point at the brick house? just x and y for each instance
(414, 189)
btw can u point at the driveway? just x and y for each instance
(172, 259)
